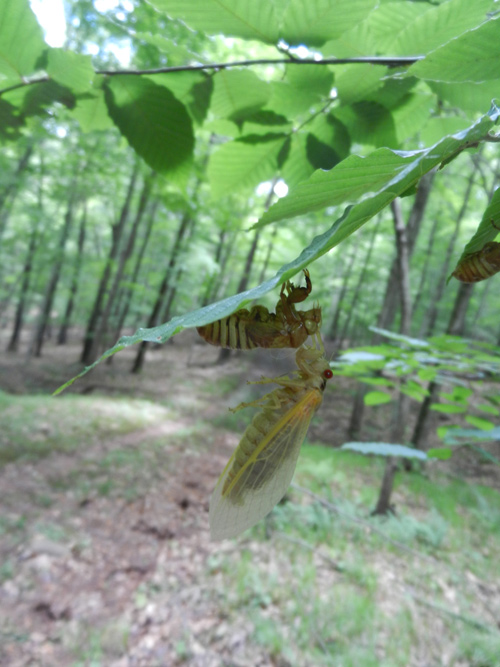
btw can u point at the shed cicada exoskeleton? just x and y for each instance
(262, 466)
(287, 327)
(479, 265)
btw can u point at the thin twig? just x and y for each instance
(368, 60)
(364, 523)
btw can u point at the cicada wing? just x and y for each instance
(263, 480)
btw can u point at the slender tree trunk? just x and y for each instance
(445, 266)
(478, 315)
(124, 255)
(86, 356)
(359, 287)
(37, 344)
(9, 192)
(425, 269)
(392, 298)
(19, 317)
(126, 297)
(267, 259)
(455, 327)
(226, 252)
(165, 284)
(402, 410)
(75, 281)
(333, 333)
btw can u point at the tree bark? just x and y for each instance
(358, 289)
(9, 192)
(456, 325)
(402, 409)
(117, 229)
(37, 344)
(123, 256)
(333, 332)
(445, 266)
(13, 345)
(75, 281)
(162, 290)
(126, 296)
(392, 298)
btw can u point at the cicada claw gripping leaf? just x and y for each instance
(262, 466)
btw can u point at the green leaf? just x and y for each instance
(244, 163)
(447, 408)
(21, 40)
(154, 122)
(355, 83)
(192, 89)
(378, 382)
(471, 97)
(238, 94)
(385, 174)
(474, 56)
(439, 25)
(442, 453)
(368, 123)
(489, 409)
(92, 112)
(479, 422)
(314, 22)
(377, 398)
(10, 121)
(70, 69)
(412, 115)
(414, 390)
(239, 18)
(384, 449)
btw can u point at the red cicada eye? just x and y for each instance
(327, 374)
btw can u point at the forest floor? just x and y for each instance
(105, 556)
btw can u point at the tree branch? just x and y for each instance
(368, 60)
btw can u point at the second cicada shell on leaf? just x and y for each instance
(479, 265)
(262, 466)
(287, 327)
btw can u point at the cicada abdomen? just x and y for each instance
(262, 466)
(287, 327)
(479, 265)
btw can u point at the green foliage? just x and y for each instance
(384, 449)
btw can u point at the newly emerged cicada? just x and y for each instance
(287, 327)
(262, 466)
(479, 265)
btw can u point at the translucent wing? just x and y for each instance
(263, 480)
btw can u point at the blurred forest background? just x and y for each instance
(146, 187)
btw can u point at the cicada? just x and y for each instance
(287, 327)
(262, 466)
(479, 265)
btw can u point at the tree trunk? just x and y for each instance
(126, 296)
(86, 356)
(392, 298)
(124, 255)
(162, 290)
(402, 410)
(333, 333)
(75, 281)
(358, 289)
(425, 269)
(455, 327)
(19, 317)
(37, 344)
(267, 259)
(9, 192)
(445, 266)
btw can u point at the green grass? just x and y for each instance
(32, 427)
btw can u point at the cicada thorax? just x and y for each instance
(479, 265)
(287, 327)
